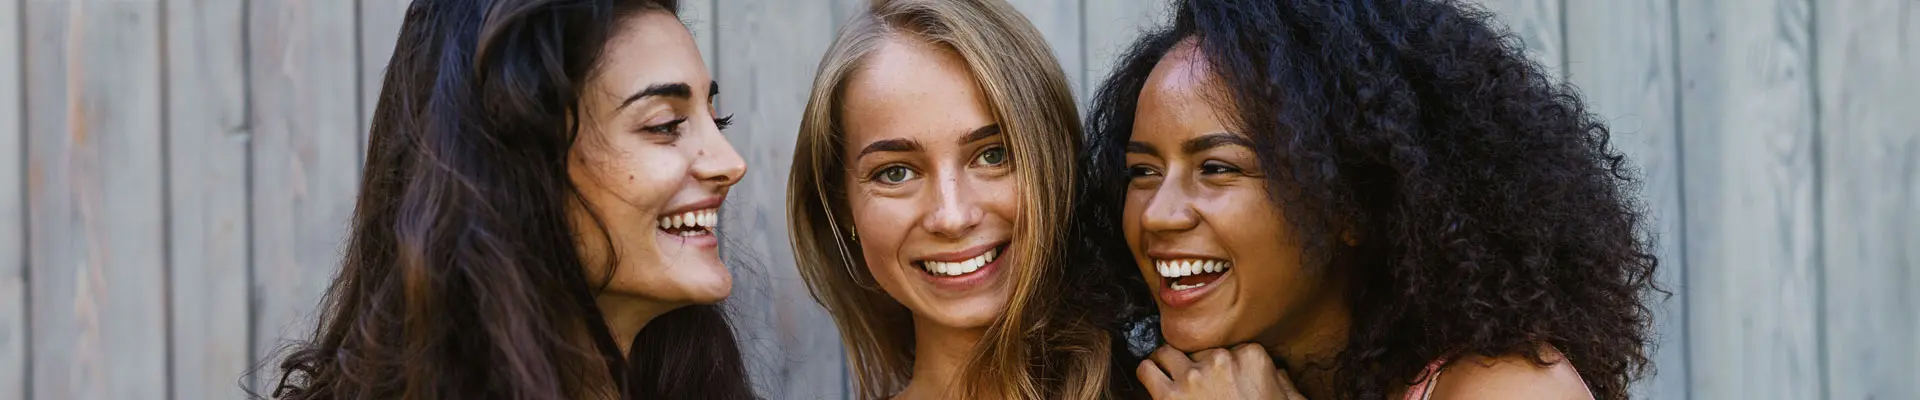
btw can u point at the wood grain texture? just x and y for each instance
(698, 15)
(96, 195)
(1747, 137)
(207, 137)
(306, 150)
(1538, 25)
(1621, 56)
(1112, 26)
(1059, 22)
(13, 207)
(379, 29)
(767, 52)
(1870, 195)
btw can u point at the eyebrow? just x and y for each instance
(1195, 145)
(675, 89)
(981, 133)
(889, 145)
(1212, 140)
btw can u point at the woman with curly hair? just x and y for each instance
(1384, 198)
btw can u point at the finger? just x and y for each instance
(1171, 360)
(1158, 384)
(1252, 357)
(1285, 384)
(1214, 358)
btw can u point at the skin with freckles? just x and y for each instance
(931, 180)
(650, 146)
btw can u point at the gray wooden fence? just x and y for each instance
(176, 175)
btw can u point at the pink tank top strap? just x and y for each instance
(1423, 388)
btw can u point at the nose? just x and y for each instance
(718, 163)
(1170, 209)
(955, 212)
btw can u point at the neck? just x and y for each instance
(1309, 350)
(627, 315)
(939, 354)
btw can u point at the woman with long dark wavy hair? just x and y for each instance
(1384, 198)
(536, 216)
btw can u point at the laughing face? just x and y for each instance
(652, 166)
(931, 184)
(1216, 249)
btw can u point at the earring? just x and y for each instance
(856, 235)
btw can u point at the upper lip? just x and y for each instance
(963, 254)
(707, 203)
(1179, 255)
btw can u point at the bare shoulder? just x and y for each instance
(1512, 376)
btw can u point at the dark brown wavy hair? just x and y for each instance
(461, 278)
(1493, 217)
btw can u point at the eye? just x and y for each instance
(992, 157)
(1215, 168)
(668, 128)
(723, 122)
(894, 175)
(1140, 171)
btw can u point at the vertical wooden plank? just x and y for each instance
(379, 29)
(207, 197)
(1059, 22)
(1621, 56)
(1112, 26)
(767, 50)
(698, 15)
(1538, 24)
(303, 77)
(1747, 139)
(13, 215)
(1870, 195)
(98, 265)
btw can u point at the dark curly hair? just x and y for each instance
(1492, 215)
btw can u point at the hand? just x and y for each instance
(1246, 372)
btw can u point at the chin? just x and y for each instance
(1189, 335)
(707, 286)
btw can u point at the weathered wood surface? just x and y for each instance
(13, 214)
(1868, 52)
(1750, 156)
(1060, 24)
(96, 197)
(187, 167)
(207, 136)
(304, 112)
(1111, 26)
(767, 50)
(1620, 54)
(1538, 25)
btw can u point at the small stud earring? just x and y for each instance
(856, 236)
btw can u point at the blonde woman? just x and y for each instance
(929, 204)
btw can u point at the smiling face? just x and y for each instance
(930, 184)
(651, 164)
(1216, 249)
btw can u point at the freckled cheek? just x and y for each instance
(999, 198)
(882, 224)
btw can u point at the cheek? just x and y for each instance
(1000, 199)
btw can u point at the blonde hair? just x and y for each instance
(1039, 348)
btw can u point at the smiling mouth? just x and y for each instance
(1190, 273)
(963, 267)
(691, 223)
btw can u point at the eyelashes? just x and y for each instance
(673, 127)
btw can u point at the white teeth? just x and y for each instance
(963, 267)
(1177, 286)
(1188, 267)
(697, 222)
